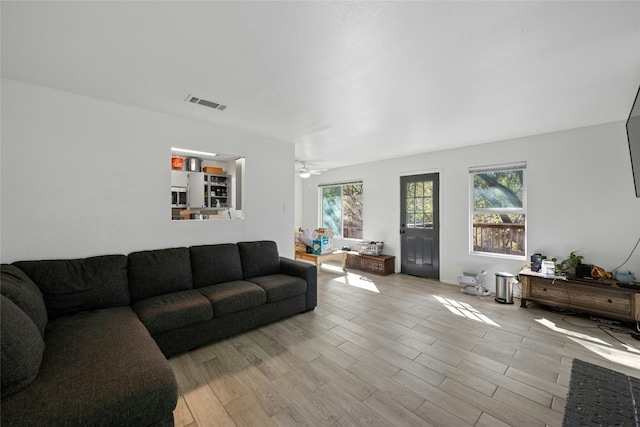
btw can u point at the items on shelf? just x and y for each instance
(303, 240)
(370, 248)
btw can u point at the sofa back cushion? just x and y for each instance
(158, 272)
(259, 258)
(74, 285)
(16, 285)
(22, 348)
(213, 264)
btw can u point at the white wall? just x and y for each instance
(83, 177)
(580, 198)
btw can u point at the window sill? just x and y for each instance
(502, 256)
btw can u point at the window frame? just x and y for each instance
(473, 171)
(321, 212)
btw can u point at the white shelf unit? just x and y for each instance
(217, 191)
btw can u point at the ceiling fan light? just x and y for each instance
(304, 173)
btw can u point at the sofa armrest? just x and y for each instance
(305, 271)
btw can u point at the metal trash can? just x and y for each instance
(504, 287)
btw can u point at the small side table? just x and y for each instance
(319, 259)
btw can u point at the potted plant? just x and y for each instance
(568, 265)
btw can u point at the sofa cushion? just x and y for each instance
(231, 297)
(212, 264)
(280, 286)
(16, 285)
(259, 258)
(100, 367)
(159, 272)
(173, 310)
(74, 285)
(22, 348)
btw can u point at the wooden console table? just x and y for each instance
(607, 300)
(377, 264)
(319, 259)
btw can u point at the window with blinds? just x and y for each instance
(498, 210)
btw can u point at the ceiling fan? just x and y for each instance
(305, 172)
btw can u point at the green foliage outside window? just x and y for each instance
(502, 190)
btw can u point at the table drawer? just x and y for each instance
(600, 300)
(548, 291)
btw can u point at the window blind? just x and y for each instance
(334, 184)
(498, 168)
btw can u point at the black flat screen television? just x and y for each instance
(633, 135)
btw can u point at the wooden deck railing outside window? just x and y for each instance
(499, 238)
(352, 229)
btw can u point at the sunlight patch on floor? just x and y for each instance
(549, 324)
(355, 280)
(628, 357)
(465, 310)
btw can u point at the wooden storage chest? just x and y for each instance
(377, 264)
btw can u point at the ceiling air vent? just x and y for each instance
(210, 104)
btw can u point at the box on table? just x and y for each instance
(322, 241)
(212, 169)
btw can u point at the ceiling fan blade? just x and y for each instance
(304, 172)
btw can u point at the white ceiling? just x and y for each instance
(347, 82)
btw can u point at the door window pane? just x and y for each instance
(419, 204)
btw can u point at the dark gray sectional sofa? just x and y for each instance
(86, 341)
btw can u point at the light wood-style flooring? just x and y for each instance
(398, 351)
